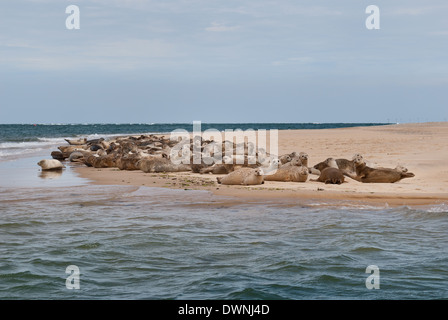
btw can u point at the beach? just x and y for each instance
(420, 147)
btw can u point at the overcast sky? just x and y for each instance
(144, 61)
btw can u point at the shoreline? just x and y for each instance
(420, 147)
(271, 191)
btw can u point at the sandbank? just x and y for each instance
(421, 147)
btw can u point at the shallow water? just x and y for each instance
(156, 243)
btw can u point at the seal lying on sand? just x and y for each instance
(331, 175)
(377, 175)
(343, 164)
(231, 164)
(303, 157)
(161, 164)
(243, 176)
(289, 174)
(295, 162)
(52, 164)
(77, 142)
(221, 168)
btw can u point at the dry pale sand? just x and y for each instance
(422, 148)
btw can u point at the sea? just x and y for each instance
(63, 238)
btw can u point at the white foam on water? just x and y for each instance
(440, 208)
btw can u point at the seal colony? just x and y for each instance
(243, 163)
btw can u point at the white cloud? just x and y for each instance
(220, 27)
(293, 60)
(126, 54)
(417, 11)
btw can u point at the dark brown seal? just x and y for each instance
(331, 175)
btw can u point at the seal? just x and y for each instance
(107, 161)
(76, 156)
(289, 174)
(243, 176)
(69, 149)
(295, 162)
(231, 163)
(58, 155)
(161, 164)
(76, 142)
(331, 175)
(303, 157)
(270, 166)
(52, 164)
(217, 168)
(367, 174)
(128, 162)
(95, 147)
(284, 158)
(342, 164)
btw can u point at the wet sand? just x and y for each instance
(422, 148)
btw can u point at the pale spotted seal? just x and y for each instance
(243, 176)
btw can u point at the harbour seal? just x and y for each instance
(303, 157)
(67, 150)
(289, 174)
(96, 161)
(271, 166)
(161, 164)
(217, 168)
(58, 155)
(95, 147)
(230, 164)
(243, 176)
(295, 162)
(342, 164)
(128, 162)
(76, 142)
(331, 175)
(76, 156)
(284, 158)
(367, 174)
(52, 164)
(94, 141)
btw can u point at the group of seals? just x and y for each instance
(124, 153)
(366, 174)
(292, 167)
(333, 171)
(242, 165)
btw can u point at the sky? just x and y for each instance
(220, 61)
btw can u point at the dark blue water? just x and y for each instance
(32, 132)
(17, 140)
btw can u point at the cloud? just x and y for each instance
(293, 60)
(220, 27)
(439, 33)
(417, 11)
(110, 55)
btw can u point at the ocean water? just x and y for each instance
(25, 139)
(157, 243)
